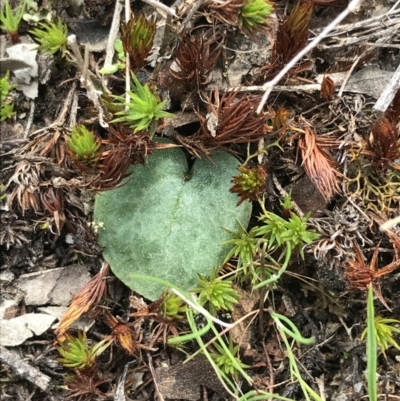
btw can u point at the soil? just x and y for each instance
(328, 159)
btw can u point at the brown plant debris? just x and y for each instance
(227, 12)
(360, 276)
(84, 301)
(12, 230)
(280, 118)
(124, 149)
(230, 119)
(195, 61)
(53, 202)
(383, 144)
(137, 39)
(27, 177)
(327, 88)
(121, 332)
(83, 386)
(291, 37)
(318, 164)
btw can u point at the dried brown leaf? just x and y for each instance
(327, 88)
(318, 164)
(195, 61)
(84, 301)
(230, 119)
(383, 145)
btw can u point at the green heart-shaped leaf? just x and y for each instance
(168, 222)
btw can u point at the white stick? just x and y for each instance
(201, 310)
(388, 93)
(112, 37)
(127, 60)
(161, 6)
(269, 85)
(387, 225)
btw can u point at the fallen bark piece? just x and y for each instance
(15, 331)
(23, 369)
(53, 287)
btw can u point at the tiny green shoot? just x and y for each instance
(244, 246)
(372, 356)
(84, 146)
(9, 20)
(254, 16)
(172, 307)
(217, 292)
(223, 358)
(6, 108)
(76, 353)
(143, 110)
(113, 68)
(384, 331)
(52, 37)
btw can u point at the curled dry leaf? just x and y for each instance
(121, 332)
(318, 164)
(327, 88)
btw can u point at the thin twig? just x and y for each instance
(269, 85)
(194, 8)
(271, 380)
(92, 93)
(348, 75)
(112, 36)
(374, 22)
(127, 60)
(201, 310)
(24, 370)
(284, 194)
(388, 93)
(120, 390)
(263, 290)
(155, 381)
(30, 119)
(161, 7)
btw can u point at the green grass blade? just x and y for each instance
(372, 355)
